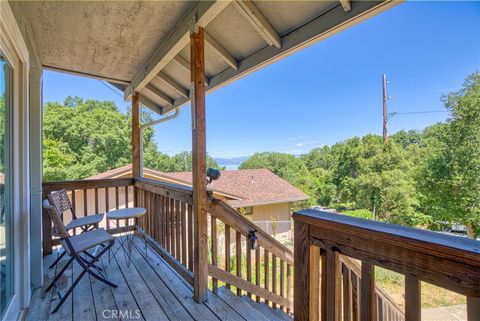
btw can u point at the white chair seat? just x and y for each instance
(88, 240)
(83, 221)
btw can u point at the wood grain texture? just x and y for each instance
(367, 297)
(446, 261)
(136, 135)
(301, 299)
(413, 308)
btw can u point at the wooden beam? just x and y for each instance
(135, 135)
(346, 4)
(222, 52)
(200, 14)
(173, 84)
(164, 98)
(199, 165)
(259, 22)
(151, 105)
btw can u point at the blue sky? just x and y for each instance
(330, 91)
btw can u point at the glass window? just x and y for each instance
(6, 259)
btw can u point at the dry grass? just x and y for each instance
(432, 296)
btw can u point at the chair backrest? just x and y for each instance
(60, 200)
(59, 229)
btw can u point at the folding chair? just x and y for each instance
(60, 200)
(75, 246)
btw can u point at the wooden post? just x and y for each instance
(331, 301)
(135, 135)
(413, 308)
(367, 292)
(473, 308)
(199, 165)
(307, 273)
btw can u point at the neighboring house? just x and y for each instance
(257, 193)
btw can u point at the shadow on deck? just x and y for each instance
(148, 289)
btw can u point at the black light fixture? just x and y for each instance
(213, 174)
(252, 240)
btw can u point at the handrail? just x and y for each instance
(277, 259)
(443, 260)
(232, 217)
(176, 191)
(48, 187)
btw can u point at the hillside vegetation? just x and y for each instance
(418, 178)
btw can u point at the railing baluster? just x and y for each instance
(107, 207)
(96, 200)
(85, 203)
(172, 227)
(289, 285)
(473, 308)
(367, 292)
(413, 308)
(355, 297)
(249, 266)
(274, 277)
(184, 233)
(117, 203)
(227, 251)
(213, 233)
(167, 225)
(282, 280)
(177, 231)
(330, 285)
(163, 213)
(347, 303)
(190, 237)
(257, 270)
(126, 197)
(266, 271)
(238, 241)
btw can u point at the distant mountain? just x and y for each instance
(231, 163)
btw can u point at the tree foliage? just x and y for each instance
(84, 138)
(450, 179)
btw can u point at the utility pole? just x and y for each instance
(385, 113)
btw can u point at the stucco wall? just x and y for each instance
(265, 214)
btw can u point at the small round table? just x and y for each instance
(127, 214)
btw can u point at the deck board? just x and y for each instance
(148, 285)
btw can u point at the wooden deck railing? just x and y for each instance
(350, 277)
(449, 262)
(89, 197)
(264, 273)
(168, 223)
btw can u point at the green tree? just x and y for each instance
(450, 179)
(84, 138)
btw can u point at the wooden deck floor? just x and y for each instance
(148, 289)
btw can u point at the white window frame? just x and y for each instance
(14, 49)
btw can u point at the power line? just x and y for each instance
(391, 115)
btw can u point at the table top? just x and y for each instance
(125, 213)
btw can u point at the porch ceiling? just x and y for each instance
(144, 46)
